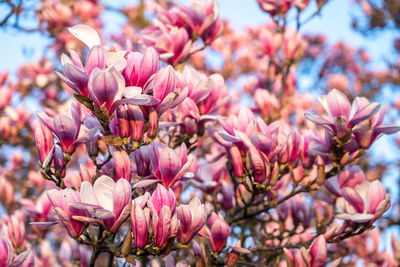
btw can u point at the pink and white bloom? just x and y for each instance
(140, 220)
(218, 232)
(43, 139)
(363, 204)
(141, 68)
(192, 218)
(13, 227)
(165, 90)
(200, 17)
(165, 223)
(343, 115)
(8, 257)
(107, 200)
(371, 129)
(172, 43)
(61, 201)
(122, 165)
(169, 165)
(315, 256)
(274, 7)
(351, 176)
(106, 87)
(67, 129)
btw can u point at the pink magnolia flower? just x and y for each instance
(67, 129)
(266, 102)
(107, 86)
(13, 227)
(293, 45)
(172, 43)
(218, 233)
(301, 211)
(217, 97)
(363, 204)
(75, 74)
(162, 206)
(43, 139)
(142, 160)
(343, 116)
(201, 18)
(188, 116)
(395, 247)
(318, 252)
(141, 68)
(41, 210)
(270, 42)
(8, 258)
(169, 165)
(234, 254)
(122, 165)
(314, 257)
(163, 197)
(7, 94)
(371, 129)
(166, 91)
(123, 121)
(136, 122)
(274, 7)
(140, 220)
(351, 176)
(61, 201)
(209, 175)
(107, 200)
(170, 262)
(192, 218)
(7, 189)
(131, 122)
(196, 82)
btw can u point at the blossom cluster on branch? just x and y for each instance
(151, 151)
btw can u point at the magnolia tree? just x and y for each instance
(179, 141)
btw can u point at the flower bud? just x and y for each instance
(136, 122)
(123, 121)
(122, 165)
(43, 139)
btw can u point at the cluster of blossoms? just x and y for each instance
(158, 158)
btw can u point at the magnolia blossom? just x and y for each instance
(343, 115)
(43, 139)
(274, 7)
(314, 257)
(140, 220)
(167, 165)
(106, 200)
(364, 203)
(171, 42)
(165, 90)
(13, 227)
(368, 131)
(218, 232)
(61, 201)
(192, 218)
(164, 222)
(8, 257)
(122, 165)
(101, 79)
(351, 176)
(141, 68)
(75, 74)
(67, 129)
